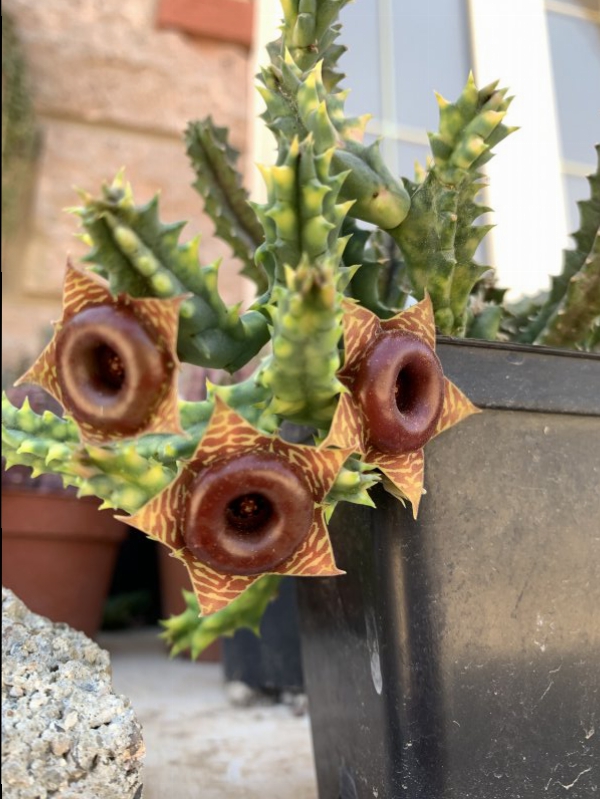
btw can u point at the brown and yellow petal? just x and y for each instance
(360, 328)
(456, 407)
(346, 431)
(404, 471)
(417, 320)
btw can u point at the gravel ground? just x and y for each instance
(198, 741)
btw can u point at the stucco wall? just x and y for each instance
(111, 90)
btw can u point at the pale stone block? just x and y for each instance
(104, 61)
(88, 156)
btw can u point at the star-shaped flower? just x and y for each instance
(112, 362)
(397, 398)
(245, 504)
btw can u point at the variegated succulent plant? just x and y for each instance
(216, 481)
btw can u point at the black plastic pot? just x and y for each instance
(459, 658)
(273, 662)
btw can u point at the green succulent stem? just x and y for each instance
(438, 238)
(225, 199)
(303, 219)
(352, 484)
(119, 475)
(142, 257)
(571, 313)
(189, 631)
(309, 33)
(301, 372)
(298, 103)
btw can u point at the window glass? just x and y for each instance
(432, 52)
(361, 62)
(575, 48)
(577, 188)
(408, 153)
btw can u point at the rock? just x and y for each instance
(297, 702)
(240, 694)
(64, 732)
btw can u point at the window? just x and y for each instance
(574, 32)
(547, 53)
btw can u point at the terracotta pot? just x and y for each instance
(58, 555)
(173, 579)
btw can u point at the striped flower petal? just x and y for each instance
(244, 505)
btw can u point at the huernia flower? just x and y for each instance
(244, 505)
(397, 397)
(112, 362)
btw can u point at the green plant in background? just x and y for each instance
(349, 313)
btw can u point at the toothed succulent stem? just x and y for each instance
(225, 199)
(309, 33)
(302, 216)
(568, 316)
(298, 103)
(303, 219)
(438, 239)
(573, 319)
(119, 475)
(353, 483)
(142, 257)
(301, 372)
(190, 631)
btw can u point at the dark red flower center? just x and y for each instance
(111, 369)
(399, 386)
(247, 515)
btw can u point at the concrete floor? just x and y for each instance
(197, 743)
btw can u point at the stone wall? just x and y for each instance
(111, 90)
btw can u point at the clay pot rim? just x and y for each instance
(72, 518)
